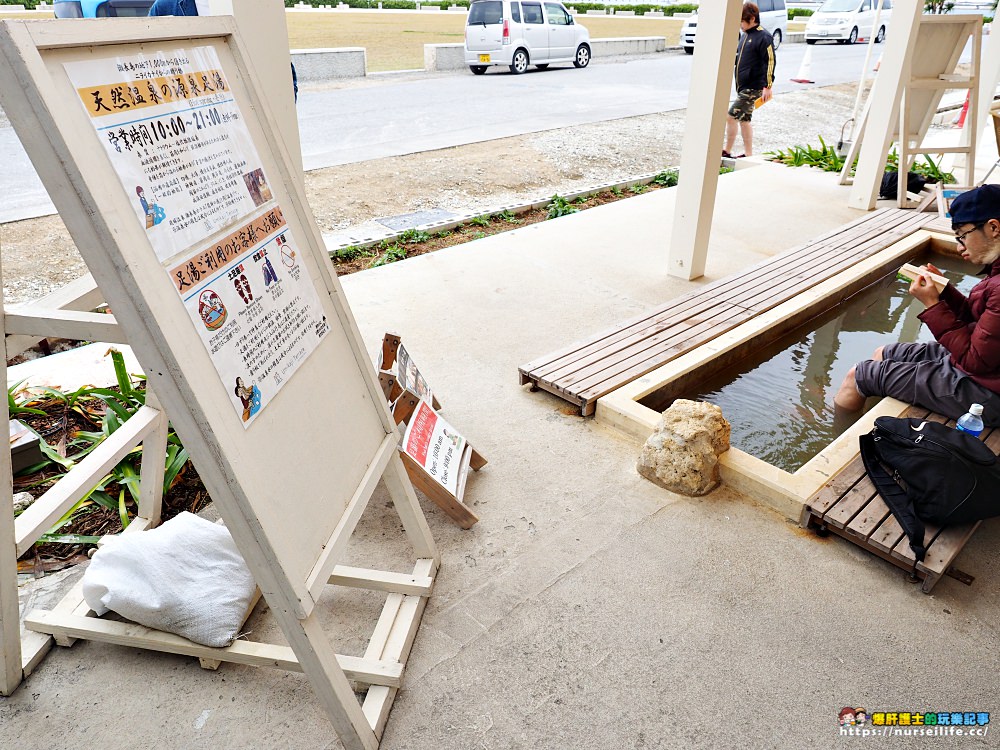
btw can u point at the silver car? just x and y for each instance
(521, 33)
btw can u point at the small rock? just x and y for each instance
(22, 500)
(682, 455)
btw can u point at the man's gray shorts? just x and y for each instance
(923, 374)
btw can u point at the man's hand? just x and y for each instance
(765, 96)
(923, 288)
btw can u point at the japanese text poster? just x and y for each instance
(177, 140)
(179, 144)
(255, 308)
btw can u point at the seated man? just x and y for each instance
(963, 366)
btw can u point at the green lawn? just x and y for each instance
(395, 41)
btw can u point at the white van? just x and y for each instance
(773, 17)
(848, 21)
(519, 34)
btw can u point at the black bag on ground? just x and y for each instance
(890, 184)
(939, 475)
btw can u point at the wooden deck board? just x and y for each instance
(841, 235)
(583, 372)
(850, 506)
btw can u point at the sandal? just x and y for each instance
(726, 154)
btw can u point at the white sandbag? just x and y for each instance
(185, 577)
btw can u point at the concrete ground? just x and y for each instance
(588, 609)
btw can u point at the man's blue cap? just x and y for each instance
(976, 206)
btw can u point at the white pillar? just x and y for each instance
(711, 76)
(883, 103)
(989, 77)
(264, 31)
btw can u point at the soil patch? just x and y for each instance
(413, 243)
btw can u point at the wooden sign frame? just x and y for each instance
(452, 504)
(391, 387)
(291, 526)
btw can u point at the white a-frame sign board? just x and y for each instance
(158, 146)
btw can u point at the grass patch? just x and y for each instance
(395, 41)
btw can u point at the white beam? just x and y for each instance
(711, 76)
(883, 107)
(264, 30)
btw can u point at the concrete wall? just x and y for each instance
(636, 45)
(452, 56)
(324, 64)
(444, 56)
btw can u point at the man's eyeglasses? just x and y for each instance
(960, 238)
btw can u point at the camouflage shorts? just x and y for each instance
(742, 108)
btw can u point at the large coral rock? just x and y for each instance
(682, 455)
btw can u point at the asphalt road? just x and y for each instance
(391, 115)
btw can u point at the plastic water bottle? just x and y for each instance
(972, 421)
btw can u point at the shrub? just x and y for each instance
(666, 178)
(560, 207)
(793, 12)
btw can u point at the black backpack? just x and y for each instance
(940, 475)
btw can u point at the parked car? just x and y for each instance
(848, 21)
(519, 34)
(100, 8)
(773, 17)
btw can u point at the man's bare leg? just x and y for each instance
(730, 134)
(746, 130)
(849, 398)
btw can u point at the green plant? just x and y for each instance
(351, 252)
(479, 235)
(480, 221)
(794, 12)
(413, 236)
(726, 170)
(938, 6)
(509, 217)
(666, 178)
(107, 409)
(444, 233)
(559, 206)
(581, 199)
(616, 191)
(825, 157)
(392, 253)
(15, 407)
(638, 188)
(927, 168)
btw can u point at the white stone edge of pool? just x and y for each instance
(785, 492)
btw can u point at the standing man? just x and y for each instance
(754, 71)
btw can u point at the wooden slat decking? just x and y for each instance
(849, 506)
(585, 371)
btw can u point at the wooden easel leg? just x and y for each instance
(10, 629)
(319, 662)
(154, 451)
(397, 481)
(10, 624)
(391, 641)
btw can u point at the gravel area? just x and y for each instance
(38, 254)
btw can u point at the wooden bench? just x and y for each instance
(849, 506)
(585, 371)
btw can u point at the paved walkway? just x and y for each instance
(588, 609)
